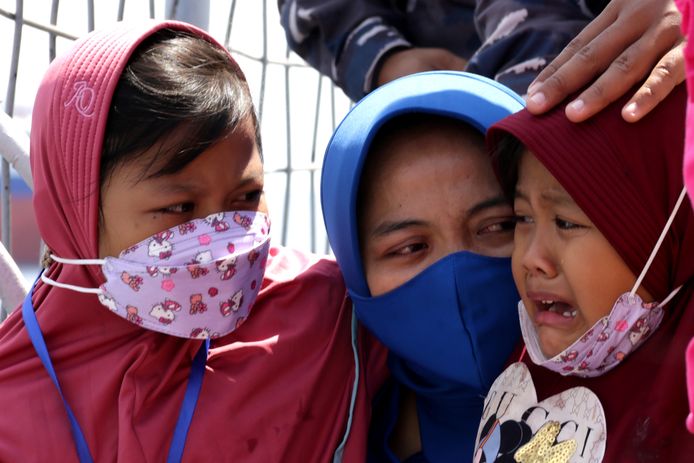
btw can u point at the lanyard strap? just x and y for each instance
(339, 452)
(187, 407)
(190, 399)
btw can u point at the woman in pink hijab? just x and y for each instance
(160, 328)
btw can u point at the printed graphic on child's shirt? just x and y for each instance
(567, 427)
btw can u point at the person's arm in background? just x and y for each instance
(630, 40)
(358, 43)
(520, 37)
(343, 39)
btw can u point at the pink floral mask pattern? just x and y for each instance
(606, 343)
(196, 280)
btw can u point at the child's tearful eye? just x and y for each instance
(520, 219)
(566, 225)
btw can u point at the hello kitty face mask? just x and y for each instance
(612, 338)
(196, 280)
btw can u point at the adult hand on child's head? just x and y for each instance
(412, 60)
(619, 47)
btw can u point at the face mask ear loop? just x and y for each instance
(663, 234)
(79, 289)
(522, 355)
(78, 261)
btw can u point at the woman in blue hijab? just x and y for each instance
(422, 233)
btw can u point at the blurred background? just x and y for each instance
(297, 107)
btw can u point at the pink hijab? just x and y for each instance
(685, 9)
(277, 389)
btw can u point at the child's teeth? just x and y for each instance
(547, 302)
(570, 313)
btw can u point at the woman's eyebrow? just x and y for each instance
(500, 200)
(177, 188)
(387, 227)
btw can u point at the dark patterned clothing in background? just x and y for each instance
(507, 40)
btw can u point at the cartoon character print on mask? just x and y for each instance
(167, 283)
(242, 220)
(130, 250)
(226, 268)
(639, 330)
(216, 221)
(232, 304)
(164, 271)
(198, 268)
(164, 312)
(160, 246)
(202, 333)
(516, 428)
(252, 257)
(187, 227)
(196, 304)
(134, 281)
(107, 301)
(132, 315)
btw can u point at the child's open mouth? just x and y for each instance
(557, 307)
(551, 310)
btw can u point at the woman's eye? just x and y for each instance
(498, 227)
(566, 225)
(251, 196)
(180, 208)
(409, 249)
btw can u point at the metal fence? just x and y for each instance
(297, 107)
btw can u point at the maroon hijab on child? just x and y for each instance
(627, 177)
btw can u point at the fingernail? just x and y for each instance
(631, 109)
(577, 106)
(532, 86)
(538, 99)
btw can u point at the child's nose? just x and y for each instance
(537, 256)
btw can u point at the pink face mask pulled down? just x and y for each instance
(196, 280)
(612, 338)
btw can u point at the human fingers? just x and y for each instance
(582, 67)
(666, 75)
(625, 71)
(586, 36)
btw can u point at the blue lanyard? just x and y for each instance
(187, 407)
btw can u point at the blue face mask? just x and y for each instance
(455, 321)
(450, 331)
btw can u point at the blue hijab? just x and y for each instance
(451, 328)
